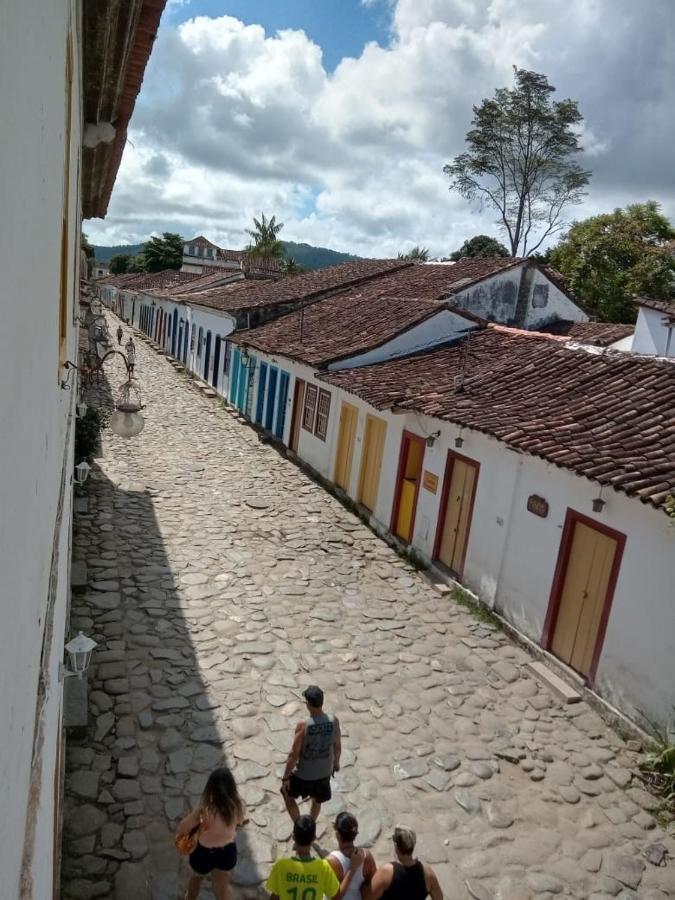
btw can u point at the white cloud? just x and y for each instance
(233, 121)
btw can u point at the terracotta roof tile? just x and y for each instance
(339, 326)
(607, 415)
(598, 334)
(664, 306)
(295, 288)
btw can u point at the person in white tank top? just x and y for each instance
(352, 865)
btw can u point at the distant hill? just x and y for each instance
(304, 254)
(103, 254)
(315, 257)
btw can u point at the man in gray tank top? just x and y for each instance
(313, 758)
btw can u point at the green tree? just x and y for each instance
(264, 240)
(520, 160)
(137, 264)
(610, 258)
(290, 267)
(89, 251)
(418, 254)
(482, 246)
(163, 253)
(119, 264)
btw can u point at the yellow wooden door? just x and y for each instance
(412, 472)
(371, 461)
(584, 592)
(457, 512)
(345, 449)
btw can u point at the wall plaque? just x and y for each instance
(537, 505)
(430, 482)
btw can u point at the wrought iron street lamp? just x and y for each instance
(82, 472)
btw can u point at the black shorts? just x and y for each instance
(318, 790)
(204, 860)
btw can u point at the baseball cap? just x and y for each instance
(404, 838)
(313, 695)
(304, 831)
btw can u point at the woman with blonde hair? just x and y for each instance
(220, 812)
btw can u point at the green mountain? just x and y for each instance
(304, 254)
(104, 254)
(315, 257)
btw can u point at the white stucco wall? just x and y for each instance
(558, 305)
(651, 334)
(36, 437)
(496, 299)
(512, 554)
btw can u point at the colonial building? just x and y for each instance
(70, 72)
(654, 328)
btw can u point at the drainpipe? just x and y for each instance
(507, 537)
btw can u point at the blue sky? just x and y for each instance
(337, 116)
(340, 27)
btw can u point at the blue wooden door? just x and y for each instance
(216, 361)
(207, 356)
(242, 391)
(271, 396)
(186, 342)
(174, 328)
(281, 405)
(262, 386)
(234, 376)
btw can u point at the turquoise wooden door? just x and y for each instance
(271, 396)
(242, 387)
(281, 405)
(234, 376)
(262, 386)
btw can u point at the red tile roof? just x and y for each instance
(606, 415)
(665, 306)
(142, 281)
(598, 334)
(295, 288)
(339, 326)
(117, 39)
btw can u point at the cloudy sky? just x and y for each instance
(337, 116)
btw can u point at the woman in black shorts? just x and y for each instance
(220, 812)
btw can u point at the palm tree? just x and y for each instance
(418, 254)
(290, 267)
(265, 242)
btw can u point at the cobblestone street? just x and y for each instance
(220, 582)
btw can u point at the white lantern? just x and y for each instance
(81, 409)
(126, 424)
(127, 420)
(82, 472)
(79, 650)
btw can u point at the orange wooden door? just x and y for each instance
(371, 461)
(584, 593)
(298, 403)
(349, 416)
(410, 473)
(460, 486)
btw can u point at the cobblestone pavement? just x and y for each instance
(221, 580)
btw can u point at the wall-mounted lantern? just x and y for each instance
(81, 409)
(82, 472)
(459, 440)
(79, 651)
(598, 503)
(432, 438)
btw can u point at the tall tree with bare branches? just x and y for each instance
(521, 160)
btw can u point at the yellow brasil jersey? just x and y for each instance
(302, 879)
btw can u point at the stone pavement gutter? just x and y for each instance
(221, 581)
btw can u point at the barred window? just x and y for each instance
(322, 413)
(310, 407)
